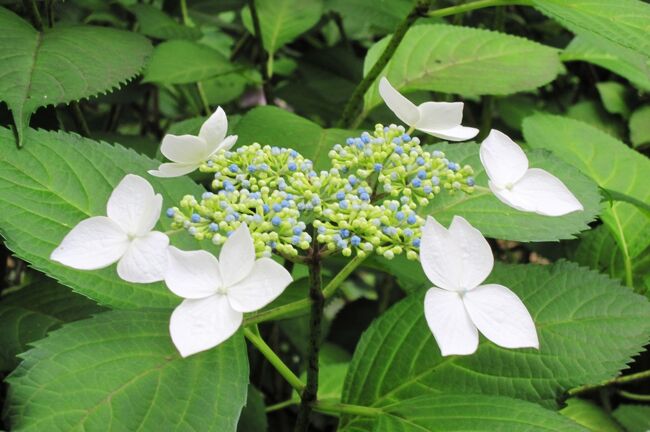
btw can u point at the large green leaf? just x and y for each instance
(589, 327)
(28, 314)
(183, 61)
(590, 416)
(156, 23)
(624, 22)
(463, 60)
(120, 371)
(495, 219)
(635, 418)
(622, 61)
(276, 127)
(281, 21)
(640, 126)
(62, 64)
(612, 164)
(464, 412)
(47, 190)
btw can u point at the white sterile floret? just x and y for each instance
(457, 261)
(440, 119)
(124, 236)
(218, 292)
(520, 187)
(188, 152)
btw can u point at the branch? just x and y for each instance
(614, 381)
(453, 10)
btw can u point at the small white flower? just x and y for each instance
(520, 187)
(188, 152)
(218, 292)
(440, 119)
(125, 236)
(457, 261)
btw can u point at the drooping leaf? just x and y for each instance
(635, 418)
(464, 412)
(183, 61)
(273, 126)
(590, 415)
(640, 126)
(155, 23)
(593, 113)
(253, 416)
(120, 371)
(624, 22)
(614, 96)
(28, 314)
(46, 191)
(609, 162)
(463, 60)
(281, 21)
(589, 327)
(62, 64)
(330, 382)
(365, 18)
(622, 61)
(496, 219)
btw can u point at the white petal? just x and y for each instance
(449, 322)
(173, 169)
(184, 148)
(403, 108)
(501, 316)
(504, 161)
(198, 325)
(214, 130)
(92, 244)
(146, 259)
(226, 144)
(237, 256)
(475, 254)
(438, 255)
(541, 192)
(440, 115)
(134, 205)
(457, 133)
(192, 274)
(265, 283)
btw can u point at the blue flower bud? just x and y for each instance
(427, 189)
(345, 233)
(470, 181)
(420, 160)
(399, 216)
(214, 227)
(251, 168)
(416, 242)
(276, 220)
(349, 141)
(411, 219)
(365, 137)
(355, 240)
(340, 195)
(422, 174)
(364, 197)
(293, 153)
(170, 212)
(233, 168)
(378, 167)
(266, 208)
(437, 154)
(416, 182)
(297, 230)
(195, 218)
(277, 207)
(292, 166)
(435, 180)
(399, 150)
(344, 204)
(406, 138)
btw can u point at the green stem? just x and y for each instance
(32, 8)
(204, 98)
(185, 14)
(634, 396)
(614, 381)
(280, 405)
(453, 10)
(310, 393)
(265, 64)
(272, 357)
(341, 408)
(351, 111)
(80, 119)
(303, 304)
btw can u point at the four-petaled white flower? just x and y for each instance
(218, 292)
(440, 119)
(457, 261)
(188, 152)
(124, 236)
(520, 187)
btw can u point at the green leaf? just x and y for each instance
(614, 96)
(624, 22)
(593, 113)
(276, 127)
(120, 371)
(463, 60)
(635, 418)
(253, 416)
(640, 126)
(28, 314)
(330, 382)
(281, 21)
(367, 18)
(464, 412)
(155, 23)
(589, 327)
(622, 61)
(609, 162)
(62, 64)
(182, 61)
(590, 415)
(47, 190)
(498, 220)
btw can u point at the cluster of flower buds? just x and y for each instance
(365, 203)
